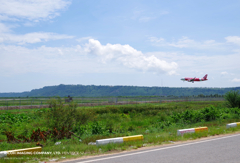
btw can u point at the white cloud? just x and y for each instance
(80, 59)
(130, 57)
(4, 28)
(233, 39)
(90, 57)
(236, 80)
(18, 59)
(189, 64)
(185, 42)
(119, 59)
(224, 73)
(34, 37)
(4, 18)
(83, 39)
(29, 24)
(32, 9)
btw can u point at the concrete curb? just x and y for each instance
(191, 130)
(119, 139)
(235, 124)
(20, 152)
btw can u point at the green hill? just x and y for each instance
(94, 91)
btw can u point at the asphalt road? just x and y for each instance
(224, 149)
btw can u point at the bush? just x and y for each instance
(61, 116)
(194, 116)
(14, 118)
(210, 113)
(233, 99)
(96, 128)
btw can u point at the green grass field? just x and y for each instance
(101, 100)
(157, 122)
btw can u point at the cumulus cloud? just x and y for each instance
(204, 63)
(34, 37)
(236, 80)
(129, 57)
(32, 9)
(87, 58)
(233, 39)
(90, 58)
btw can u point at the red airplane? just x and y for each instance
(194, 79)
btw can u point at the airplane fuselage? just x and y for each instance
(195, 79)
(192, 79)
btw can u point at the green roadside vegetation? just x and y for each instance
(157, 122)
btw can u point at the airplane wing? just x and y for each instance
(192, 79)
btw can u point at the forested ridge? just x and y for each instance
(96, 91)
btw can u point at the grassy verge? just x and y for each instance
(73, 148)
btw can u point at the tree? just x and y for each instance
(233, 99)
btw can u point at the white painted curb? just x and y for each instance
(112, 140)
(183, 131)
(119, 139)
(191, 130)
(20, 152)
(235, 124)
(3, 154)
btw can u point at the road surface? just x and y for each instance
(224, 149)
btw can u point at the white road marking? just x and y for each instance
(107, 158)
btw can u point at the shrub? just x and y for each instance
(210, 113)
(162, 116)
(61, 116)
(96, 128)
(14, 118)
(233, 99)
(109, 126)
(194, 116)
(83, 116)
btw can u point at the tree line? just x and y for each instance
(99, 91)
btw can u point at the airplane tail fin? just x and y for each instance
(205, 77)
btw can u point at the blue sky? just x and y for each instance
(120, 42)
